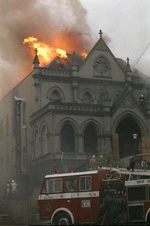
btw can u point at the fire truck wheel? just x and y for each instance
(62, 218)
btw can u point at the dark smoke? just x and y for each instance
(22, 18)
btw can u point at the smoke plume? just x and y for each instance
(60, 19)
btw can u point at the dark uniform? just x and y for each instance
(109, 212)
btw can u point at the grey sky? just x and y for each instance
(127, 23)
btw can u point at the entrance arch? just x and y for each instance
(128, 143)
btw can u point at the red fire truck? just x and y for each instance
(138, 197)
(76, 197)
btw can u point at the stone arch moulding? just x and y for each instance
(133, 116)
(65, 121)
(57, 89)
(94, 123)
(34, 131)
(35, 137)
(124, 126)
(93, 97)
(43, 124)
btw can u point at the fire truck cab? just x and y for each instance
(76, 198)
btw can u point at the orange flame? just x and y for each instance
(45, 51)
(84, 54)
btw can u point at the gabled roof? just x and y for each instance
(101, 46)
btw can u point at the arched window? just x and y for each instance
(55, 96)
(87, 99)
(67, 139)
(90, 139)
(105, 97)
(44, 140)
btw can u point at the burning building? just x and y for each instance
(76, 105)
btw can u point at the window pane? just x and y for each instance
(58, 185)
(53, 185)
(71, 184)
(88, 183)
(136, 193)
(82, 183)
(85, 183)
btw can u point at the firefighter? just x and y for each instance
(8, 187)
(132, 163)
(144, 164)
(13, 186)
(93, 163)
(109, 212)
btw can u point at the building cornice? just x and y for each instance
(69, 109)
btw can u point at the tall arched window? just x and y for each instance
(44, 140)
(67, 139)
(90, 139)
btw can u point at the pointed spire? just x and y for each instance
(128, 69)
(101, 33)
(36, 60)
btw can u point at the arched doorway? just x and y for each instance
(129, 137)
(67, 139)
(90, 139)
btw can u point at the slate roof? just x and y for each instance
(59, 63)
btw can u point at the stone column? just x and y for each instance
(107, 128)
(75, 86)
(80, 143)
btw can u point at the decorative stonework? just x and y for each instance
(128, 102)
(101, 67)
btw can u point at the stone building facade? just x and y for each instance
(61, 114)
